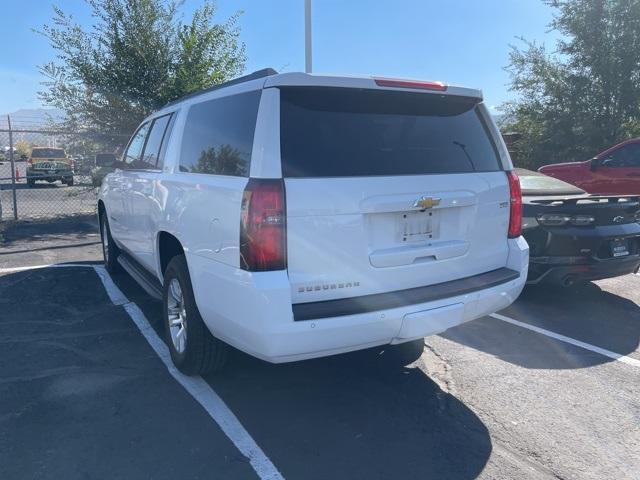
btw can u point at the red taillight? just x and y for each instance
(263, 226)
(515, 217)
(390, 82)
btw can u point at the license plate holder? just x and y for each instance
(619, 247)
(416, 226)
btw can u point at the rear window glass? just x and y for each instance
(535, 183)
(47, 153)
(338, 132)
(218, 135)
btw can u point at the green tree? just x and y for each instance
(23, 148)
(138, 55)
(583, 96)
(223, 159)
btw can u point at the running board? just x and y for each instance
(141, 276)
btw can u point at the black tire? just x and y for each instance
(110, 250)
(201, 352)
(31, 183)
(69, 181)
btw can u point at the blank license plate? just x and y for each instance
(619, 248)
(416, 226)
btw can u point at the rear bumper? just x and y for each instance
(48, 175)
(569, 273)
(253, 312)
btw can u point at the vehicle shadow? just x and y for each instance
(346, 416)
(586, 313)
(81, 180)
(76, 226)
(36, 186)
(352, 416)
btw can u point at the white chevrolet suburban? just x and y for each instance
(294, 216)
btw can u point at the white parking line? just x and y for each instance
(572, 341)
(36, 267)
(196, 386)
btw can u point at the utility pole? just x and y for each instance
(307, 36)
(13, 170)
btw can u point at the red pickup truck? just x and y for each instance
(615, 171)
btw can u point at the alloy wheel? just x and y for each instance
(105, 240)
(177, 316)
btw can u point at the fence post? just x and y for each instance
(13, 170)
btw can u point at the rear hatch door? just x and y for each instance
(388, 190)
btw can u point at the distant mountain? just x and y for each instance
(32, 118)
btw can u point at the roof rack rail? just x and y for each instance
(265, 72)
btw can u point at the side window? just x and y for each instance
(165, 141)
(218, 135)
(152, 147)
(627, 156)
(131, 156)
(634, 155)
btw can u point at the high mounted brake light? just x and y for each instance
(263, 226)
(515, 200)
(390, 82)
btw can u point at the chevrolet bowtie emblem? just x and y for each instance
(426, 202)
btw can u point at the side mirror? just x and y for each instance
(595, 163)
(106, 160)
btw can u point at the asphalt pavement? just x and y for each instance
(84, 395)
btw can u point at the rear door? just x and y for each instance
(388, 190)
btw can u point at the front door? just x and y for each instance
(130, 161)
(142, 195)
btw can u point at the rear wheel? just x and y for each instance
(194, 350)
(69, 181)
(109, 249)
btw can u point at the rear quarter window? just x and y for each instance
(218, 135)
(48, 153)
(336, 132)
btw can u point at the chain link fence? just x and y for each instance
(47, 172)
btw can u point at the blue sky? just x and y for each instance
(465, 42)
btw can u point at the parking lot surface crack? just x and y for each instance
(438, 368)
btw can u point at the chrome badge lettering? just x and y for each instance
(327, 286)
